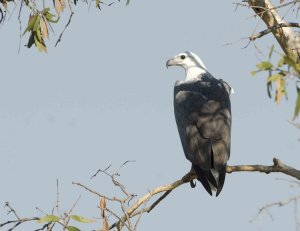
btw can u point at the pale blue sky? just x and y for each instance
(104, 96)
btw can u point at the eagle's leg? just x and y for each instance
(192, 182)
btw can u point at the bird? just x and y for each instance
(202, 111)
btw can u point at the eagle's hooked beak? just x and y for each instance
(170, 62)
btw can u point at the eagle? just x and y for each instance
(203, 116)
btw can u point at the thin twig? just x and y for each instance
(277, 203)
(20, 221)
(61, 34)
(94, 192)
(57, 204)
(99, 170)
(115, 215)
(11, 210)
(20, 27)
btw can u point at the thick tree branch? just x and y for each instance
(286, 37)
(277, 166)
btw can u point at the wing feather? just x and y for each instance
(204, 119)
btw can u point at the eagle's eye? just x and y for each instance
(182, 57)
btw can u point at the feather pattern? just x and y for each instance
(203, 116)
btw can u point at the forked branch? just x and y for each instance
(273, 28)
(286, 37)
(134, 210)
(140, 206)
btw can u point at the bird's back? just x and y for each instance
(203, 117)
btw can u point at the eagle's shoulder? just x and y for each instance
(228, 88)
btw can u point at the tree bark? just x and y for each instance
(286, 37)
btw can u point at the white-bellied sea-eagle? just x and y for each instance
(203, 116)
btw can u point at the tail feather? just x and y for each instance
(211, 181)
(222, 174)
(202, 178)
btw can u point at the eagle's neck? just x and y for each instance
(194, 73)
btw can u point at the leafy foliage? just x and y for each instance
(50, 219)
(37, 26)
(72, 228)
(286, 69)
(41, 19)
(82, 219)
(297, 107)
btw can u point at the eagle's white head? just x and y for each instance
(191, 63)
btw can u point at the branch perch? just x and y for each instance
(277, 166)
(136, 210)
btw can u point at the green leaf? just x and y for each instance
(289, 60)
(297, 67)
(283, 88)
(271, 51)
(45, 10)
(72, 228)
(31, 22)
(297, 106)
(82, 219)
(265, 65)
(280, 62)
(292, 61)
(98, 4)
(274, 77)
(38, 32)
(50, 16)
(36, 23)
(253, 73)
(48, 218)
(40, 44)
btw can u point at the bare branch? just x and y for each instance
(271, 29)
(94, 192)
(115, 215)
(126, 162)
(276, 203)
(278, 166)
(19, 221)
(11, 209)
(148, 210)
(116, 182)
(20, 26)
(99, 170)
(61, 34)
(136, 210)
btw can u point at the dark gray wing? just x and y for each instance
(203, 117)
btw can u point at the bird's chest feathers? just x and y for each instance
(193, 73)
